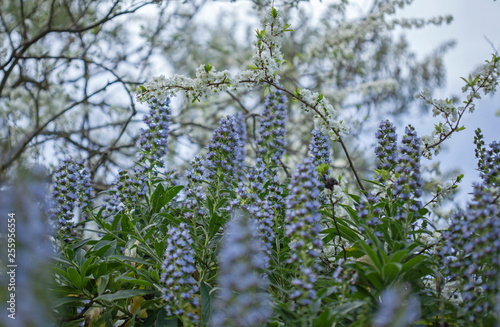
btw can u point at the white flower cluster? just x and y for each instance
(267, 60)
(208, 82)
(486, 79)
(445, 190)
(326, 116)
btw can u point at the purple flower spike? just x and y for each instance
(243, 298)
(180, 287)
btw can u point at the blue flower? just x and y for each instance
(178, 268)
(25, 208)
(71, 186)
(397, 308)
(154, 140)
(386, 151)
(272, 130)
(407, 186)
(471, 251)
(319, 148)
(243, 299)
(225, 152)
(302, 226)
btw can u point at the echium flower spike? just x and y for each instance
(243, 299)
(125, 193)
(319, 149)
(225, 151)
(397, 308)
(241, 129)
(71, 185)
(386, 151)
(491, 169)
(24, 204)
(272, 130)
(154, 140)
(369, 214)
(193, 191)
(262, 211)
(302, 226)
(180, 286)
(407, 186)
(471, 252)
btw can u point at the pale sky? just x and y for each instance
(474, 21)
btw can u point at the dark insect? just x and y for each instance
(330, 183)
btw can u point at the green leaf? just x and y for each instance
(124, 294)
(207, 67)
(206, 302)
(391, 272)
(163, 320)
(344, 309)
(131, 259)
(135, 281)
(274, 12)
(104, 247)
(413, 263)
(66, 300)
(156, 198)
(75, 277)
(215, 224)
(372, 255)
(176, 221)
(103, 282)
(171, 192)
(352, 213)
(86, 265)
(325, 319)
(398, 257)
(155, 275)
(375, 279)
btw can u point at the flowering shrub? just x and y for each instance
(241, 241)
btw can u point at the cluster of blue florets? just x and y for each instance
(302, 226)
(180, 286)
(319, 148)
(154, 141)
(386, 151)
(397, 308)
(71, 185)
(225, 152)
(370, 214)
(490, 171)
(25, 201)
(243, 298)
(272, 130)
(126, 190)
(407, 186)
(241, 130)
(302, 207)
(471, 251)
